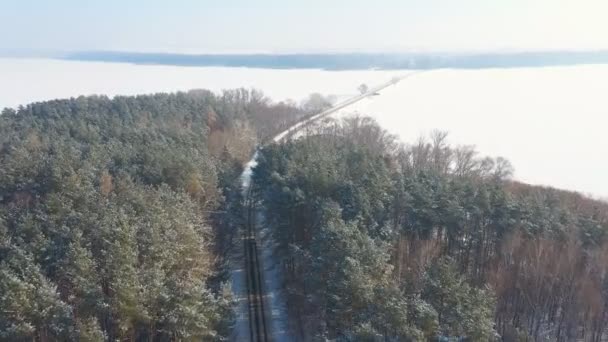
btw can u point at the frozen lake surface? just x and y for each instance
(549, 122)
(28, 80)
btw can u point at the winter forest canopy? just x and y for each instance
(117, 217)
(384, 242)
(115, 214)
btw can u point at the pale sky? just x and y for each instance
(302, 26)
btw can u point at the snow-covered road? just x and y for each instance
(278, 325)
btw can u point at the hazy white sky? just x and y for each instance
(311, 25)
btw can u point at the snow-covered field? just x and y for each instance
(27, 80)
(550, 123)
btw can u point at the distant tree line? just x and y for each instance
(355, 61)
(116, 214)
(383, 242)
